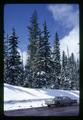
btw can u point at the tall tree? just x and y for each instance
(63, 70)
(43, 61)
(77, 74)
(33, 35)
(22, 71)
(32, 48)
(39, 64)
(73, 71)
(70, 73)
(56, 60)
(28, 74)
(6, 59)
(15, 64)
(48, 64)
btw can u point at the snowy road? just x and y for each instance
(63, 111)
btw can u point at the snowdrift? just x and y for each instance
(19, 97)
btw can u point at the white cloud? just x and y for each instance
(72, 42)
(65, 14)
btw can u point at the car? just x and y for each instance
(60, 101)
(69, 101)
(57, 101)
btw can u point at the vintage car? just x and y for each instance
(60, 101)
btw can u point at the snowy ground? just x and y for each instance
(19, 98)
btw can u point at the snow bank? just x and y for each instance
(19, 97)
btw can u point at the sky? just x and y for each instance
(60, 18)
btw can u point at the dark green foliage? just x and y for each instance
(63, 70)
(69, 72)
(77, 74)
(56, 60)
(43, 62)
(15, 64)
(6, 60)
(73, 72)
(32, 48)
(33, 35)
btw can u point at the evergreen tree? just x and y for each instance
(22, 73)
(39, 64)
(64, 60)
(77, 74)
(67, 83)
(70, 73)
(33, 36)
(6, 60)
(15, 64)
(28, 74)
(63, 70)
(32, 48)
(42, 61)
(48, 63)
(73, 72)
(56, 60)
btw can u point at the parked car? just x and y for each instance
(54, 102)
(60, 101)
(69, 101)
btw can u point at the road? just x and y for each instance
(45, 111)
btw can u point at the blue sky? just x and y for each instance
(61, 18)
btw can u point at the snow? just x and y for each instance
(42, 72)
(20, 98)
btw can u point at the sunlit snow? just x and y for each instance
(20, 98)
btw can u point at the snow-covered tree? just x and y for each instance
(15, 64)
(39, 64)
(22, 73)
(33, 36)
(43, 61)
(6, 60)
(63, 69)
(73, 72)
(70, 81)
(28, 76)
(56, 60)
(32, 48)
(77, 74)
(46, 51)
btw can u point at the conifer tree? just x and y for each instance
(22, 72)
(56, 60)
(77, 74)
(28, 74)
(63, 70)
(15, 64)
(6, 60)
(48, 63)
(32, 48)
(73, 72)
(42, 61)
(33, 35)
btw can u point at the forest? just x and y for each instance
(45, 66)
